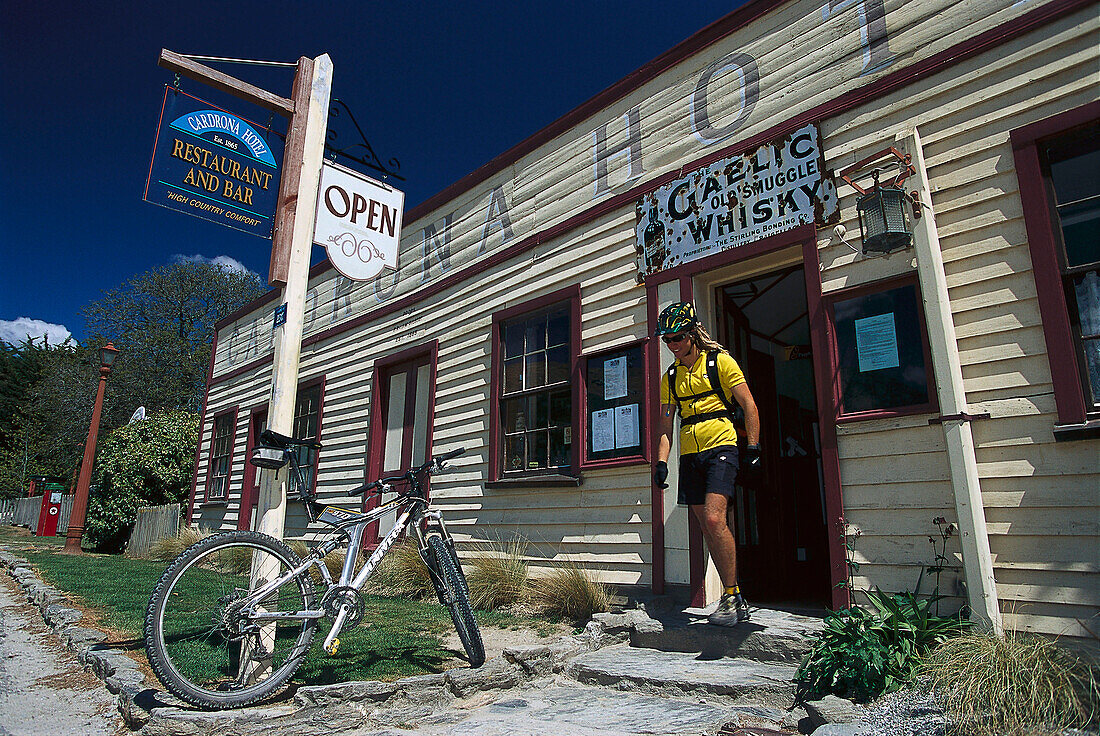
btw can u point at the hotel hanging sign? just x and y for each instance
(212, 164)
(738, 200)
(358, 222)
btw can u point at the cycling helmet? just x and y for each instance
(676, 317)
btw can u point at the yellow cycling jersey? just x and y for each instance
(692, 381)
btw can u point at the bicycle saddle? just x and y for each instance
(274, 439)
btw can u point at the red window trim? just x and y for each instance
(206, 499)
(893, 282)
(1069, 395)
(572, 295)
(642, 456)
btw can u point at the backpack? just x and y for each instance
(734, 413)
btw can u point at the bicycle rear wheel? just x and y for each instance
(456, 597)
(200, 644)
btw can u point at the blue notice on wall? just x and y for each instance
(212, 164)
(877, 342)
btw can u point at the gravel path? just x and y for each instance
(44, 690)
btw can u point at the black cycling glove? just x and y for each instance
(752, 465)
(660, 474)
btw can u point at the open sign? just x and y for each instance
(358, 222)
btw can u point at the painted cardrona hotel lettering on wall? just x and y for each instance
(737, 200)
(212, 164)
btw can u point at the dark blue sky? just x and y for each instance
(443, 87)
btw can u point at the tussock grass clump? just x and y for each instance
(169, 548)
(401, 573)
(1019, 684)
(569, 592)
(497, 574)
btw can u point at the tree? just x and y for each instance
(163, 321)
(150, 462)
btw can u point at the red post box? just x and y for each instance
(50, 512)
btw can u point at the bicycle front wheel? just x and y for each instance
(199, 639)
(457, 599)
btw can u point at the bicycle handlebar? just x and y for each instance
(379, 485)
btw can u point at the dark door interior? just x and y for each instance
(780, 526)
(250, 489)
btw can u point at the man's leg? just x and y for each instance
(723, 550)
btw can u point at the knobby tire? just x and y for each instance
(457, 599)
(189, 636)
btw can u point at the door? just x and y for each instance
(401, 431)
(782, 550)
(250, 489)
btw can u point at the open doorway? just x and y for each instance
(780, 527)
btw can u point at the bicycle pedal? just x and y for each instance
(331, 650)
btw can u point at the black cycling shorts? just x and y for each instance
(709, 471)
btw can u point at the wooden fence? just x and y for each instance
(153, 524)
(24, 512)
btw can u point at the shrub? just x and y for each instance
(401, 572)
(568, 591)
(167, 549)
(497, 574)
(1018, 684)
(862, 653)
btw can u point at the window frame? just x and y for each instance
(208, 497)
(570, 297)
(319, 383)
(889, 284)
(642, 456)
(1075, 421)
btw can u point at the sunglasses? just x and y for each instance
(679, 337)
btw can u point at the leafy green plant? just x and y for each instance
(1015, 684)
(863, 653)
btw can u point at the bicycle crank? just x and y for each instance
(346, 598)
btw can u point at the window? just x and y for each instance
(307, 425)
(221, 456)
(535, 353)
(615, 400)
(883, 364)
(1056, 164)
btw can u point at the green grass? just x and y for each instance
(398, 637)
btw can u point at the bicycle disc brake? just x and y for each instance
(339, 596)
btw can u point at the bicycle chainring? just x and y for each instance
(340, 595)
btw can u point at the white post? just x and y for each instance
(271, 505)
(981, 587)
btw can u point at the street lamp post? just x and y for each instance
(107, 355)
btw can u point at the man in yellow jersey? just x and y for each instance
(710, 462)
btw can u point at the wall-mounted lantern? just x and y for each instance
(883, 215)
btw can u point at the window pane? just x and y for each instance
(557, 365)
(542, 410)
(515, 415)
(559, 328)
(560, 405)
(559, 451)
(513, 375)
(540, 450)
(513, 340)
(1086, 289)
(514, 455)
(534, 370)
(536, 334)
(1081, 232)
(1075, 178)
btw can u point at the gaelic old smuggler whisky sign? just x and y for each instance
(777, 187)
(212, 164)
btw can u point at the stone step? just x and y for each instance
(668, 674)
(769, 636)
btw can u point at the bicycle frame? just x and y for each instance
(414, 509)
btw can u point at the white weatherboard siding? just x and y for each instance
(1040, 496)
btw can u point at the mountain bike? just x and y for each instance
(234, 614)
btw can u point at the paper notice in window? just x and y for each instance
(603, 430)
(626, 426)
(877, 342)
(614, 378)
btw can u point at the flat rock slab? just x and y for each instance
(629, 668)
(769, 636)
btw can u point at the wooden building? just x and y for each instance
(952, 376)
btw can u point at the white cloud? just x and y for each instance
(229, 264)
(15, 331)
